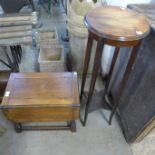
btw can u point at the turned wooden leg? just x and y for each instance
(18, 127)
(96, 66)
(124, 81)
(86, 63)
(72, 126)
(114, 59)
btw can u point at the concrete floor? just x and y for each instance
(97, 138)
(146, 146)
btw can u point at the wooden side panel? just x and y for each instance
(22, 115)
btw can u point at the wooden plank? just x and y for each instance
(16, 41)
(15, 34)
(15, 28)
(12, 18)
(14, 23)
(147, 129)
(18, 19)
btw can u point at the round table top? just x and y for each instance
(117, 23)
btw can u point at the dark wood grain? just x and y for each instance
(37, 97)
(146, 9)
(117, 23)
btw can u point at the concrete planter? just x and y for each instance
(48, 36)
(77, 53)
(51, 59)
(79, 33)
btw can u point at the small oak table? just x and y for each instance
(42, 97)
(118, 27)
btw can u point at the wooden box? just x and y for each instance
(41, 97)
